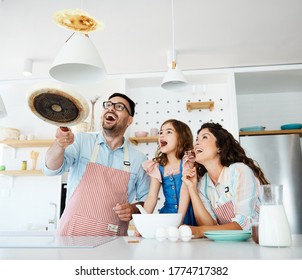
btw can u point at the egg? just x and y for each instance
(173, 233)
(185, 233)
(161, 234)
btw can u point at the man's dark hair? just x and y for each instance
(131, 103)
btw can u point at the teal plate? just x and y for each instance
(227, 232)
(252, 128)
(228, 235)
(291, 126)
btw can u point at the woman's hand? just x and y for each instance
(189, 178)
(197, 231)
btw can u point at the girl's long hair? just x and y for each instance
(230, 151)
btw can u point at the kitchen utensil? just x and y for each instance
(22, 137)
(252, 128)
(154, 131)
(58, 105)
(7, 133)
(30, 137)
(273, 229)
(147, 224)
(291, 126)
(228, 235)
(141, 209)
(34, 157)
(93, 101)
(141, 133)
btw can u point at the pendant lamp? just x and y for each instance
(174, 79)
(78, 62)
(3, 112)
(28, 67)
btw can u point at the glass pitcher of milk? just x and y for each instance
(274, 228)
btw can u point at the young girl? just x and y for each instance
(171, 159)
(227, 194)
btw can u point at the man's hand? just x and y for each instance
(64, 137)
(124, 211)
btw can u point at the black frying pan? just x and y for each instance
(59, 106)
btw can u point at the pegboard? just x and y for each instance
(155, 105)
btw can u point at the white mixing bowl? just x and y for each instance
(147, 224)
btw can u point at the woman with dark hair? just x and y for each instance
(223, 185)
(166, 170)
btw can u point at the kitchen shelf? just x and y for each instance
(271, 132)
(147, 139)
(22, 173)
(27, 143)
(200, 105)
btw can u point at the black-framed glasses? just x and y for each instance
(119, 106)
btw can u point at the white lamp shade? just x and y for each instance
(78, 62)
(28, 67)
(174, 80)
(3, 112)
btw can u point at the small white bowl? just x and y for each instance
(141, 133)
(147, 224)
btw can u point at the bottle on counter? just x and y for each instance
(274, 230)
(24, 165)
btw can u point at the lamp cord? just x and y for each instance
(173, 38)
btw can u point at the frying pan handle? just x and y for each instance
(64, 128)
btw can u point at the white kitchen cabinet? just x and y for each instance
(269, 96)
(27, 196)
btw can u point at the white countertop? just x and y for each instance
(121, 249)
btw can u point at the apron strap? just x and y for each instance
(126, 159)
(126, 156)
(95, 152)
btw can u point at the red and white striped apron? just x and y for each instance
(89, 211)
(224, 213)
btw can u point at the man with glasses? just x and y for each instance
(105, 173)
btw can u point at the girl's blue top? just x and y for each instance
(171, 188)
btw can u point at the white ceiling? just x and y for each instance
(209, 34)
